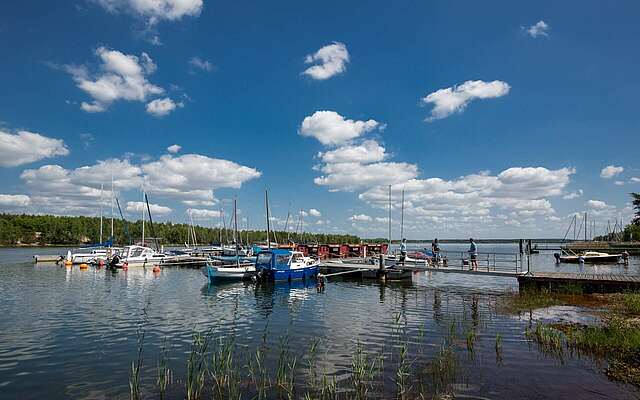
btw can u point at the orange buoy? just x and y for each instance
(68, 263)
(84, 266)
(156, 268)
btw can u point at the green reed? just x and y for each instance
(498, 347)
(134, 377)
(197, 365)
(164, 376)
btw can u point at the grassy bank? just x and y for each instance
(616, 340)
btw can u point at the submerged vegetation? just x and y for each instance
(61, 230)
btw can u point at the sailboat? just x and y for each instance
(236, 271)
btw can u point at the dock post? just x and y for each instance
(381, 274)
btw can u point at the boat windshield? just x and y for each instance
(282, 259)
(297, 258)
(264, 258)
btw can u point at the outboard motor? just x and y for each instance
(557, 257)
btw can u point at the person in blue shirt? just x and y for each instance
(473, 252)
(403, 250)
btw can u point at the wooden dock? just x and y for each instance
(556, 281)
(585, 283)
(334, 268)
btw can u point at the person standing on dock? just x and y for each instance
(435, 250)
(403, 250)
(473, 252)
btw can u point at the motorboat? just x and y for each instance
(285, 265)
(591, 257)
(140, 256)
(87, 255)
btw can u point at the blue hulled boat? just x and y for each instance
(285, 265)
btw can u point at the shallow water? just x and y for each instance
(71, 333)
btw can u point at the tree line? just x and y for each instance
(631, 231)
(24, 229)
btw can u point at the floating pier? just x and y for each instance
(47, 258)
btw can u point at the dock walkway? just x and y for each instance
(582, 282)
(587, 283)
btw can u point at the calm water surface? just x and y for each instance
(71, 333)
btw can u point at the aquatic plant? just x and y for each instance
(222, 369)
(442, 370)
(197, 365)
(498, 347)
(402, 372)
(258, 374)
(164, 376)
(549, 340)
(134, 377)
(471, 339)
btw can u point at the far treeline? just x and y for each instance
(59, 230)
(631, 232)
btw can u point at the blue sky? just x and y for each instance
(497, 119)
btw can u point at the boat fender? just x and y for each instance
(156, 269)
(125, 266)
(84, 266)
(68, 263)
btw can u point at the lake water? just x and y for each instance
(67, 333)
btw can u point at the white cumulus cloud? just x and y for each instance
(331, 128)
(360, 217)
(174, 148)
(162, 107)
(315, 213)
(197, 63)
(573, 195)
(455, 99)
(14, 200)
(26, 147)
(540, 28)
(198, 213)
(121, 77)
(366, 152)
(155, 10)
(138, 206)
(610, 171)
(332, 60)
(597, 205)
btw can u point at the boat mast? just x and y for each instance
(142, 208)
(266, 203)
(389, 218)
(402, 218)
(585, 226)
(235, 229)
(286, 226)
(101, 191)
(112, 206)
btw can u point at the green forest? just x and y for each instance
(60, 230)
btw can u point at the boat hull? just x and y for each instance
(215, 274)
(591, 260)
(282, 275)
